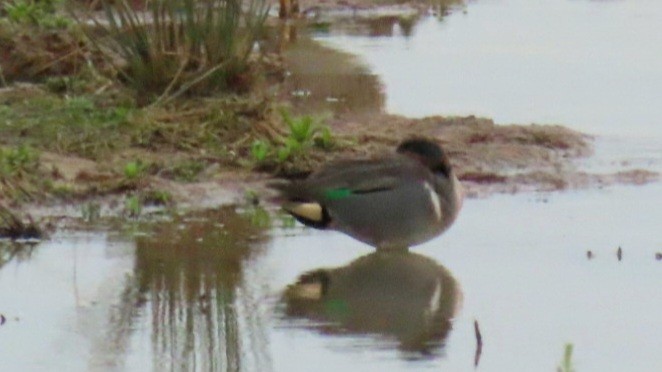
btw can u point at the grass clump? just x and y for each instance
(302, 135)
(307, 130)
(19, 161)
(133, 170)
(21, 178)
(181, 46)
(304, 132)
(133, 206)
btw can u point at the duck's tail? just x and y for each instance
(294, 201)
(309, 213)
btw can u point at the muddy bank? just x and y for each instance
(492, 158)
(488, 158)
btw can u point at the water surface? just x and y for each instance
(592, 65)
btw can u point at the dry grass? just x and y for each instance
(181, 46)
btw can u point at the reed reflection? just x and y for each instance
(10, 251)
(189, 290)
(395, 295)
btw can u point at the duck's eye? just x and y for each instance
(442, 168)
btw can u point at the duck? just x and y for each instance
(392, 202)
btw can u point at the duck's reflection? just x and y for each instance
(398, 295)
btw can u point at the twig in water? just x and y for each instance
(619, 253)
(479, 343)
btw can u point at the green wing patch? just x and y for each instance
(336, 194)
(341, 193)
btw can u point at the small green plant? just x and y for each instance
(307, 129)
(258, 216)
(41, 13)
(20, 11)
(290, 148)
(302, 129)
(18, 161)
(324, 138)
(566, 364)
(260, 150)
(133, 206)
(133, 170)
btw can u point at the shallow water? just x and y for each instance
(209, 291)
(593, 65)
(521, 266)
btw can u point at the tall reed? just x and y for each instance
(180, 46)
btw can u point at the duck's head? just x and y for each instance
(429, 153)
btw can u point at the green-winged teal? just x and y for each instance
(393, 202)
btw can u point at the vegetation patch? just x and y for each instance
(175, 47)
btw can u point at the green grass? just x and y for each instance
(133, 170)
(97, 126)
(76, 125)
(133, 206)
(302, 128)
(42, 13)
(21, 177)
(18, 161)
(260, 150)
(303, 134)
